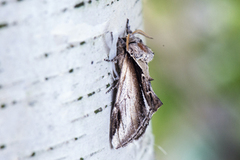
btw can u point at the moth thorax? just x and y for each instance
(148, 56)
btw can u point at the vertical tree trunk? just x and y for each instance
(53, 79)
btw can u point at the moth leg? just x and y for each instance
(121, 42)
(115, 59)
(111, 60)
(113, 87)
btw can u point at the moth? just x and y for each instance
(135, 100)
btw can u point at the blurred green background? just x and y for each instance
(196, 71)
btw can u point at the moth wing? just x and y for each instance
(142, 55)
(153, 101)
(129, 110)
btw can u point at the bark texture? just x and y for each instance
(53, 79)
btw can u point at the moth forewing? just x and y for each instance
(128, 111)
(135, 100)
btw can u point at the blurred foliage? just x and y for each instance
(196, 71)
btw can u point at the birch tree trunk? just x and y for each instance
(53, 79)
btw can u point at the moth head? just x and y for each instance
(139, 51)
(130, 36)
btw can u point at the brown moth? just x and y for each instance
(135, 100)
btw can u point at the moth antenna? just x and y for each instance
(142, 33)
(127, 41)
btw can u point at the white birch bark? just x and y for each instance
(53, 79)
